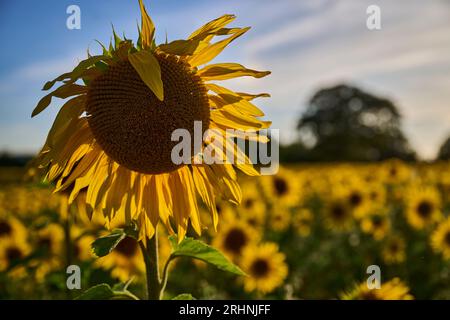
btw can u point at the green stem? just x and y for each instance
(150, 253)
(165, 276)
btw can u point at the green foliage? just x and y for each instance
(104, 245)
(199, 250)
(105, 292)
(184, 296)
(344, 123)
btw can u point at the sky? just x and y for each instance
(307, 45)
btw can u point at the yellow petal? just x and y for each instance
(239, 160)
(94, 194)
(211, 51)
(190, 199)
(183, 47)
(150, 201)
(206, 192)
(165, 201)
(229, 186)
(226, 119)
(229, 97)
(148, 28)
(212, 27)
(250, 97)
(224, 71)
(69, 112)
(63, 92)
(83, 166)
(146, 65)
(245, 135)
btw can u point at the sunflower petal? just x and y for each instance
(150, 201)
(148, 28)
(211, 51)
(206, 192)
(147, 66)
(224, 71)
(212, 26)
(227, 119)
(183, 47)
(229, 97)
(62, 92)
(250, 97)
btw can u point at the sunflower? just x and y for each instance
(233, 237)
(265, 266)
(393, 250)
(395, 172)
(338, 214)
(113, 138)
(376, 194)
(302, 221)
(279, 218)
(11, 228)
(376, 224)
(282, 188)
(440, 239)
(81, 244)
(423, 206)
(49, 242)
(394, 289)
(12, 251)
(356, 196)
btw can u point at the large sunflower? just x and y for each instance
(112, 139)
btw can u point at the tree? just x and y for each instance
(344, 123)
(444, 150)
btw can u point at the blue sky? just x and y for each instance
(306, 44)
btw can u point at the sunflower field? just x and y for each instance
(309, 232)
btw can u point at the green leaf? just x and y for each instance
(43, 103)
(104, 245)
(85, 64)
(104, 292)
(132, 230)
(117, 39)
(147, 66)
(98, 292)
(184, 296)
(199, 250)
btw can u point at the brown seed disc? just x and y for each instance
(132, 126)
(260, 268)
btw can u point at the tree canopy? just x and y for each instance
(345, 123)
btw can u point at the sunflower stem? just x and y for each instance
(150, 253)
